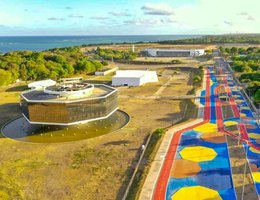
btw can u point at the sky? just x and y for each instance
(128, 17)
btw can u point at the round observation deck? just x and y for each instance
(70, 89)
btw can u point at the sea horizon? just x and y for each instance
(45, 42)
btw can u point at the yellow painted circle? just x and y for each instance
(242, 115)
(198, 153)
(206, 128)
(239, 101)
(230, 123)
(254, 150)
(254, 135)
(256, 176)
(196, 193)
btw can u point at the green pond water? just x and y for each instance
(20, 129)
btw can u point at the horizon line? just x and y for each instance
(73, 35)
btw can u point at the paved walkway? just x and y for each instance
(150, 182)
(193, 160)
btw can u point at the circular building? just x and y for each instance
(69, 102)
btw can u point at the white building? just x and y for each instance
(106, 71)
(173, 52)
(134, 77)
(41, 84)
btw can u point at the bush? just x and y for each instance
(176, 61)
(159, 132)
(104, 63)
(257, 97)
(196, 79)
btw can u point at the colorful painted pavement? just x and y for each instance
(250, 130)
(197, 162)
(200, 168)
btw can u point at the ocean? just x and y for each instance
(40, 43)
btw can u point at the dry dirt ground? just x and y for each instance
(96, 168)
(139, 47)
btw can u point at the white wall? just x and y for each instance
(141, 77)
(197, 52)
(152, 52)
(130, 81)
(193, 52)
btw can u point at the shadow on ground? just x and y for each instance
(7, 112)
(18, 88)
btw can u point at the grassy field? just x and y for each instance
(97, 168)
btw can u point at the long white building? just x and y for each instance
(173, 52)
(133, 77)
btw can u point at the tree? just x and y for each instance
(222, 50)
(257, 97)
(5, 77)
(196, 79)
(233, 50)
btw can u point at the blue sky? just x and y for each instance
(128, 17)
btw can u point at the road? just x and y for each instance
(197, 163)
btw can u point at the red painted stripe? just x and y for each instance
(218, 111)
(243, 131)
(242, 127)
(233, 103)
(161, 186)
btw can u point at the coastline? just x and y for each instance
(42, 43)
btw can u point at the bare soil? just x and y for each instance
(139, 47)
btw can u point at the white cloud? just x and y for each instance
(228, 23)
(76, 16)
(250, 18)
(56, 19)
(145, 22)
(157, 9)
(99, 18)
(119, 14)
(227, 15)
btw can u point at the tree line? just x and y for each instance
(246, 64)
(213, 39)
(54, 63)
(110, 54)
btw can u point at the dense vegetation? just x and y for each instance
(110, 54)
(212, 39)
(198, 76)
(54, 64)
(246, 64)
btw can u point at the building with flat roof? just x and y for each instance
(172, 52)
(68, 103)
(134, 77)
